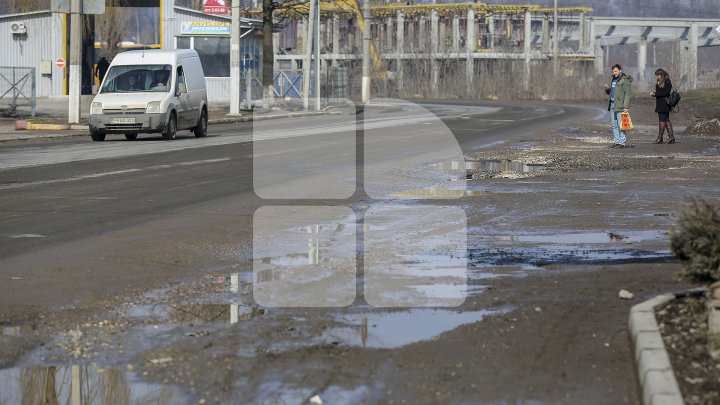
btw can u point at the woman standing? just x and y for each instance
(663, 87)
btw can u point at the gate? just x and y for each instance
(19, 83)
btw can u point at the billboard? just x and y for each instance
(216, 7)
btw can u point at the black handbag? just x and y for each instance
(673, 99)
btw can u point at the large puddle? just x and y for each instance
(81, 385)
(490, 249)
(387, 330)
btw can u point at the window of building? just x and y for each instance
(183, 43)
(214, 53)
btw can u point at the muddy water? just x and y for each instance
(397, 329)
(81, 385)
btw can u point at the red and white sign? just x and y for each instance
(215, 7)
(60, 62)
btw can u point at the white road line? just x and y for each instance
(264, 130)
(104, 174)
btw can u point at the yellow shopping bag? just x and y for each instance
(625, 121)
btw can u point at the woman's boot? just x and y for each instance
(671, 134)
(661, 131)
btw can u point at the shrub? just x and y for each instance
(696, 241)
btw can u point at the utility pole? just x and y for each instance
(556, 41)
(309, 39)
(235, 59)
(74, 62)
(316, 43)
(366, 53)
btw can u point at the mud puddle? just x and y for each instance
(389, 330)
(82, 385)
(525, 249)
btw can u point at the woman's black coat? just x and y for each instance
(661, 105)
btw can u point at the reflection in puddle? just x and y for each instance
(485, 257)
(435, 192)
(494, 166)
(81, 385)
(304, 256)
(577, 247)
(274, 392)
(396, 329)
(589, 237)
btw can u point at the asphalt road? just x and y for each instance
(70, 188)
(84, 225)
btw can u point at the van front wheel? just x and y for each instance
(201, 129)
(131, 137)
(97, 137)
(171, 128)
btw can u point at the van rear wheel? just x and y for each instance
(201, 129)
(171, 128)
(131, 137)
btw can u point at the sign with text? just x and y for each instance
(216, 7)
(205, 28)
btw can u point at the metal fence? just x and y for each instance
(17, 85)
(333, 84)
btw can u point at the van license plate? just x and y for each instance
(123, 120)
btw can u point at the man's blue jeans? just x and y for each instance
(618, 135)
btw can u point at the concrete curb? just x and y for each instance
(31, 126)
(655, 372)
(657, 379)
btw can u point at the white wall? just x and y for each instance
(42, 42)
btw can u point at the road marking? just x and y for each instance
(14, 186)
(27, 235)
(266, 130)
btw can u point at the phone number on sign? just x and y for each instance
(215, 10)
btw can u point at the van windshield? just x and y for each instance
(138, 78)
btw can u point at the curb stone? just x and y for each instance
(655, 373)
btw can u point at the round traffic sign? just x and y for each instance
(60, 62)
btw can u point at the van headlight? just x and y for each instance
(153, 107)
(96, 109)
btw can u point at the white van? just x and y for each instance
(151, 91)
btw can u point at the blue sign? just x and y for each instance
(205, 28)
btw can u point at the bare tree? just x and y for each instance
(111, 25)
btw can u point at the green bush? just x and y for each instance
(696, 241)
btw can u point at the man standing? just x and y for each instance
(101, 68)
(620, 91)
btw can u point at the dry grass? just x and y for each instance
(696, 241)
